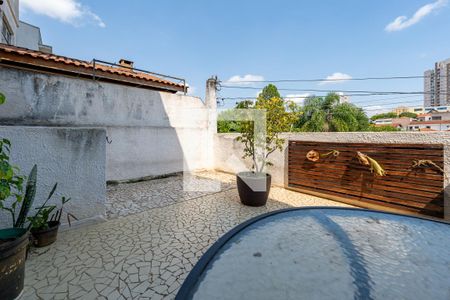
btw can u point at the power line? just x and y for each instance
(334, 79)
(373, 105)
(306, 97)
(339, 91)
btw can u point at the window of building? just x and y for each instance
(436, 118)
(7, 32)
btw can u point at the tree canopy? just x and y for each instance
(322, 114)
(388, 115)
(408, 114)
(268, 92)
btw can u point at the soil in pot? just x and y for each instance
(13, 245)
(253, 188)
(47, 236)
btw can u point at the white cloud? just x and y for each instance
(336, 78)
(67, 11)
(403, 22)
(376, 109)
(297, 98)
(246, 79)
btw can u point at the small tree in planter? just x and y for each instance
(254, 186)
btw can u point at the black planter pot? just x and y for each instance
(13, 247)
(253, 188)
(45, 237)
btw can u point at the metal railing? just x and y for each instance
(177, 80)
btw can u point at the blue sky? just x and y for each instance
(264, 39)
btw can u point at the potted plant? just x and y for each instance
(14, 241)
(254, 186)
(44, 227)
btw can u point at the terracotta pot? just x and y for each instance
(253, 188)
(45, 237)
(13, 246)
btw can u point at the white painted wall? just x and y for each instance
(28, 36)
(73, 157)
(152, 133)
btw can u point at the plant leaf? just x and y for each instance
(30, 193)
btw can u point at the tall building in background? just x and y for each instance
(17, 33)
(437, 85)
(9, 21)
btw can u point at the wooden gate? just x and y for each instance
(416, 190)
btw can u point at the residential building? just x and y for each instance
(9, 21)
(402, 109)
(435, 116)
(421, 109)
(443, 125)
(381, 122)
(343, 98)
(29, 36)
(437, 85)
(17, 33)
(402, 123)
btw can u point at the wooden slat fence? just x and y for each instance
(415, 190)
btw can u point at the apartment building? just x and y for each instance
(437, 85)
(9, 21)
(18, 33)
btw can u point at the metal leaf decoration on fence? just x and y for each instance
(375, 167)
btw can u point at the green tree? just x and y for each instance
(408, 114)
(270, 91)
(323, 114)
(383, 128)
(388, 115)
(224, 125)
(280, 116)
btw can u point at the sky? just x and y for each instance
(251, 40)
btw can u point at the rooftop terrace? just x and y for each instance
(154, 235)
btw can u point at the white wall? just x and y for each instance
(152, 133)
(28, 36)
(73, 157)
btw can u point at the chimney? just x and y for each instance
(126, 63)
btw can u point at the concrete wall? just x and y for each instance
(73, 157)
(152, 133)
(28, 36)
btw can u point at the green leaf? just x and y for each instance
(2, 99)
(30, 193)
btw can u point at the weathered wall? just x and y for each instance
(152, 132)
(73, 157)
(229, 152)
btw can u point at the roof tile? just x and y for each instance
(86, 65)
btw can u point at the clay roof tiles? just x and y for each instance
(40, 59)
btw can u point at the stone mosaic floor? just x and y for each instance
(148, 252)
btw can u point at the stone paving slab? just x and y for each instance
(144, 255)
